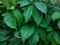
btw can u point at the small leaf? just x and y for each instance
(14, 41)
(26, 32)
(18, 16)
(42, 34)
(41, 6)
(10, 20)
(4, 38)
(58, 24)
(16, 34)
(37, 16)
(34, 39)
(57, 37)
(4, 32)
(2, 43)
(6, 4)
(27, 13)
(55, 15)
(50, 36)
(12, 7)
(31, 0)
(49, 29)
(14, 2)
(53, 42)
(23, 3)
(46, 21)
(53, 1)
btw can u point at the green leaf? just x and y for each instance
(2, 43)
(49, 29)
(10, 20)
(58, 24)
(4, 32)
(55, 15)
(46, 21)
(18, 16)
(27, 13)
(12, 7)
(41, 6)
(53, 1)
(42, 34)
(23, 3)
(26, 32)
(4, 38)
(14, 41)
(33, 40)
(31, 0)
(16, 34)
(57, 37)
(6, 4)
(53, 42)
(50, 36)
(14, 2)
(37, 16)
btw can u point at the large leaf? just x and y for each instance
(34, 39)
(57, 37)
(26, 32)
(41, 6)
(10, 20)
(18, 16)
(55, 15)
(27, 13)
(37, 16)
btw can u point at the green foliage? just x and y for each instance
(29, 22)
(26, 32)
(10, 20)
(40, 7)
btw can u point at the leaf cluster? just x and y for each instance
(29, 22)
